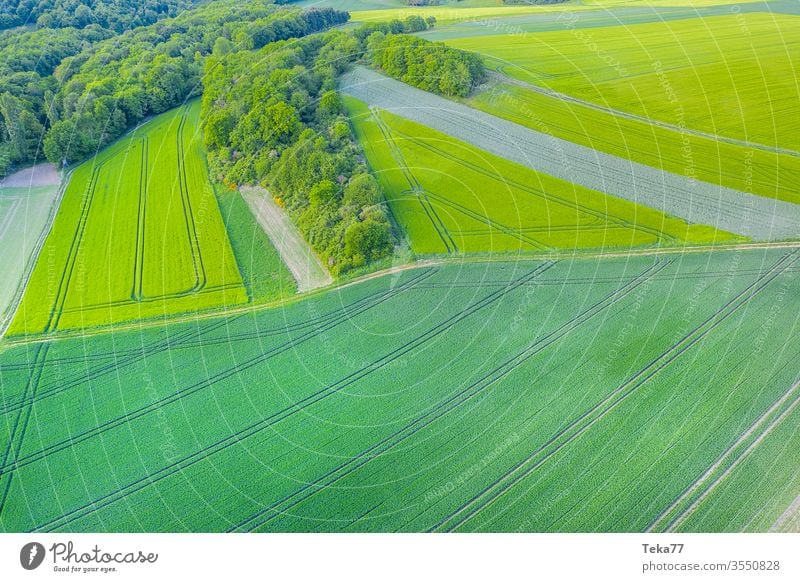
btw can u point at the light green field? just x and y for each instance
(138, 235)
(450, 197)
(730, 75)
(581, 395)
(750, 170)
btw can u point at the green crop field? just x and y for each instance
(709, 74)
(450, 197)
(138, 235)
(694, 77)
(610, 394)
(741, 168)
(455, 11)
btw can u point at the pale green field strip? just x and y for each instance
(264, 274)
(139, 235)
(728, 75)
(450, 197)
(692, 200)
(710, 160)
(598, 391)
(295, 252)
(617, 15)
(25, 213)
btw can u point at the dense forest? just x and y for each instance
(82, 88)
(27, 61)
(115, 15)
(116, 83)
(282, 124)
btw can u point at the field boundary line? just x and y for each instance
(336, 317)
(424, 262)
(507, 481)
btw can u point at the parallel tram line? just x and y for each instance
(290, 410)
(580, 425)
(133, 356)
(283, 505)
(206, 383)
(416, 187)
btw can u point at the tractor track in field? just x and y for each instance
(503, 78)
(135, 355)
(19, 428)
(639, 477)
(697, 202)
(179, 344)
(604, 217)
(137, 292)
(290, 410)
(580, 425)
(276, 509)
(789, 520)
(192, 389)
(697, 491)
(201, 278)
(117, 363)
(416, 187)
(66, 275)
(196, 341)
(491, 223)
